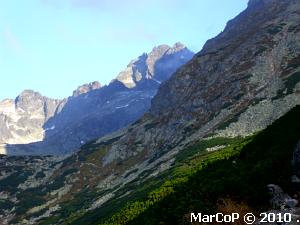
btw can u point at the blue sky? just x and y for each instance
(53, 46)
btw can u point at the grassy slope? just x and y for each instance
(140, 188)
(240, 172)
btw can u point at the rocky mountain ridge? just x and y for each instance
(242, 81)
(22, 119)
(86, 88)
(249, 74)
(93, 110)
(153, 66)
(250, 70)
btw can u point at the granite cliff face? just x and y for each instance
(94, 111)
(22, 119)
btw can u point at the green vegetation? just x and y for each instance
(29, 199)
(233, 119)
(241, 172)
(293, 63)
(130, 172)
(81, 200)
(40, 175)
(18, 177)
(260, 50)
(185, 161)
(200, 147)
(150, 125)
(36, 196)
(274, 30)
(290, 84)
(187, 165)
(5, 204)
(109, 208)
(196, 182)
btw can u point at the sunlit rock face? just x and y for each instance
(22, 119)
(157, 66)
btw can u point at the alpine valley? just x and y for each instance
(174, 133)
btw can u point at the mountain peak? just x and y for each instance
(27, 96)
(86, 88)
(163, 49)
(255, 2)
(179, 46)
(160, 49)
(147, 66)
(29, 92)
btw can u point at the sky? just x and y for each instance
(53, 46)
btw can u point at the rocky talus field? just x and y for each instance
(220, 128)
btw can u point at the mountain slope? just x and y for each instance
(246, 77)
(94, 111)
(240, 172)
(250, 70)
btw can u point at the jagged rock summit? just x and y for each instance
(93, 110)
(242, 81)
(86, 88)
(156, 66)
(21, 120)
